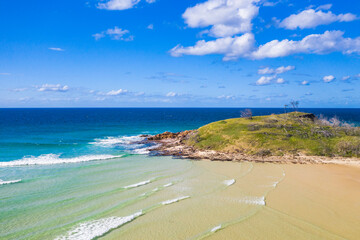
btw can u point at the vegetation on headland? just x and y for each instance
(277, 135)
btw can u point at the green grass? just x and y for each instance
(277, 135)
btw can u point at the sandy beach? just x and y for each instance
(266, 201)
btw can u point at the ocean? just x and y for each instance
(75, 174)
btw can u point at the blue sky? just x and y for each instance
(168, 53)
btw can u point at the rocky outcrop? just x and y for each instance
(173, 144)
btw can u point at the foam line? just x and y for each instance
(50, 159)
(138, 184)
(9, 182)
(174, 200)
(168, 184)
(97, 228)
(254, 201)
(229, 182)
(215, 229)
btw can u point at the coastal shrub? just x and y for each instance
(263, 152)
(253, 127)
(348, 148)
(247, 113)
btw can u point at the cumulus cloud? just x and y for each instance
(243, 46)
(226, 17)
(264, 80)
(56, 49)
(330, 41)
(278, 70)
(115, 33)
(328, 79)
(311, 18)
(230, 47)
(345, 78)
(150, 26)
(118, 4)
(116, 92)
(53, 88)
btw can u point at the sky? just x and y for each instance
(171, 53)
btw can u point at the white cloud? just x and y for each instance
(324, 7)
(116, 92)
(115, 33)
(118, 4)
(345, 78)
(53, 88)
(56, 49)
(330, 41)
(172, 94)
(5, 74)
(226, 17)
(227, 97)
(280, 81)
(150, 26)
(305, 83)
(231, 47)
(328, 79)
(278, 70)
(264, 80)
(312, 18)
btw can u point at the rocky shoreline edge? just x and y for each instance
(172, 144)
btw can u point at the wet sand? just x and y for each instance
(266, 201)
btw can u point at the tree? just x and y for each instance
(295, 104)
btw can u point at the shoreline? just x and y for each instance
(172, 144)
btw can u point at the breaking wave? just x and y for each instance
(138, 184)
(50, 159)
(131, 144)
(97, 228)
(174, 200)
(215, 229)
(9, 182)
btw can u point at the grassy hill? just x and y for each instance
(278, 135)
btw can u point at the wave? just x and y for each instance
(113, 141)
(9, 182)
(50, 159)
(97, 228)
(131, 144)
(215, 229)
(138, 184)
(174, 200)
(229, 182)
(168, 184)
(254, 201)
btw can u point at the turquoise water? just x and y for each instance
(63, 167)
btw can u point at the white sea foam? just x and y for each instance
(253, 201)
(168, 184)
(229, 182)
(112, 141)
(275, 184)
(96, 228)
(215, 229)
(9, 182)
(137, 184)
(174, 200)
(50, 159)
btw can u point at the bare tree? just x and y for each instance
(285, 107)
(295, 104)
(247, 113)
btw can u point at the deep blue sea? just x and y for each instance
(72, 132)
